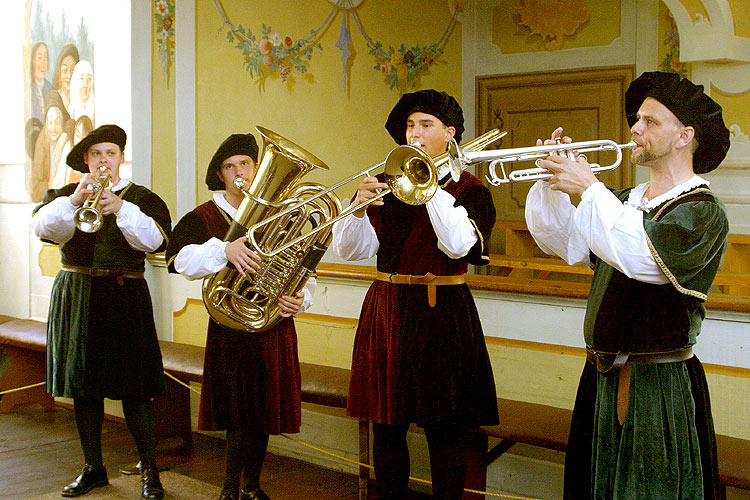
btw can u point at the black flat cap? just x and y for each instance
(235, 144)
(105, 133)
(691, 106)
(438, 104)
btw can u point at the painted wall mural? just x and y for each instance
(60, 64)
(271, 54)
(164, 28)
(553, 21)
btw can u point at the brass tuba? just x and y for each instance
(251, 302)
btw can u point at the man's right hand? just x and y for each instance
(83, 191)
(242, 257)
(368, 189)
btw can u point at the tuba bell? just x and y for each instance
(251, 302)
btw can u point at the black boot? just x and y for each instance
(256, 494)
(228, 494)
(91, 477)
(152, 488)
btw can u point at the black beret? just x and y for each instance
(235, 144)
(691, 106)
(438, 104)
(105, 133)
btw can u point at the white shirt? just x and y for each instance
(198, 261)
(602, 224)
(354, 238)
(54, 222)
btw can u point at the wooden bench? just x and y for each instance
(321, 385)
(25, 343)
(548, 426)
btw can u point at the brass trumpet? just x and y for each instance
(87, 217)
(460, 159)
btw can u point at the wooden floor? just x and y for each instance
(39, 453)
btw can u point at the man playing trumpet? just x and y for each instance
(101, 340)
(642, 425)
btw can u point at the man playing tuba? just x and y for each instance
(251, 379)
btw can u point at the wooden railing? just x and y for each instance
(521, 268)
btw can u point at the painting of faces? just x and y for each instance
(61, 94)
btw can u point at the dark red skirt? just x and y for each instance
(251, 379)
(421, 364)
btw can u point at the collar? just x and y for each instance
(637, 200)
(120, 185)
(223, 204)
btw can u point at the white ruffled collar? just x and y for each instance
(637, 200)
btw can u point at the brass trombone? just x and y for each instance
(460, 159)
(412, 177)
(88, 218)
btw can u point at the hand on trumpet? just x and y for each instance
(368, 188)
(84, 190)
(571, 174)
(290, 305)
(242, 257)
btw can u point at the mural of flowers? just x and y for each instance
(272, 53)
(164, 26)
(568, 16)
(671, 62)
(403, 67)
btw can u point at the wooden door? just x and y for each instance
(588, 103)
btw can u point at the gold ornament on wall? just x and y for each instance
(553, 20)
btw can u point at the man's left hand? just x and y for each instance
(109, 203)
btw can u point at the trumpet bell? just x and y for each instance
(411, 174)
(88, 220)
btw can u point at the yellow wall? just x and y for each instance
(340, 121)
(163, 130)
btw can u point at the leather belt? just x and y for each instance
(103, 273)
(428, 279)
(620, 359)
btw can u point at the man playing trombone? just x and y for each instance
(101, 340)
(642, 425)
(419, 352)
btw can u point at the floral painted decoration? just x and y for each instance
(403, 67)
(671, 62)
(272, 52)
(164, 25)
(567, 16)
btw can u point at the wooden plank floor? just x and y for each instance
(39, 453)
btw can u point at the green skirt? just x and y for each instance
(101, 339)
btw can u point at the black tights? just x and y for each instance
(139, 416)
(391, 460)
(246, 449)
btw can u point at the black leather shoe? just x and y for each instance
(152, 488)
(228, 495)
(256, 494)
(91, 477)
